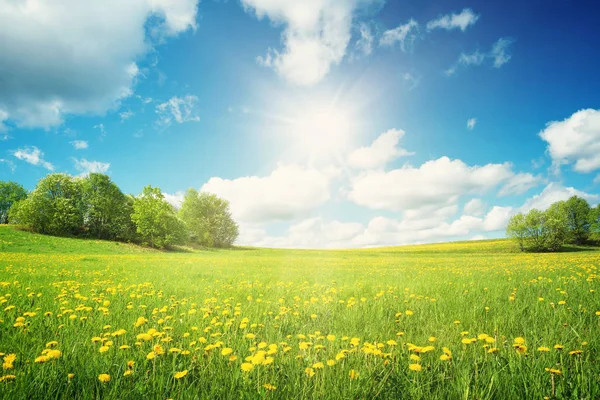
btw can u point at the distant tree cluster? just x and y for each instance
(94, 206)
(572, 221)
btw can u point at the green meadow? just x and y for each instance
(472, 320)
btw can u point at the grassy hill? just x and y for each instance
(452, 320)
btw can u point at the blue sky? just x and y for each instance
(325, 123)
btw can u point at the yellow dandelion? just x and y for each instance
(104, 378)
(519, 340)
(226, 351)
(179, 375)
(415, 367)
(353, 374)
(247, 367)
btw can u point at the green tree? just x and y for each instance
(10, 193)
(517, 229)
(155, 219)
(208, 219)
(577, 214)
(534, 236)
(106, 212)
(594, 221)
(540, 230)
(556, 226)
(54, 207)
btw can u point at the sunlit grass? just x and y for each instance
(467, 320)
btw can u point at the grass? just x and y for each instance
(283, 312)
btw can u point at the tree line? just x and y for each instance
(572, 221)
(94, 206)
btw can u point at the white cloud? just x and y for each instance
(383, 150)
(179, 109)
(454, 21)
(401, 34)
(471, 123)
(476, 58)
(411, 80)
(3, 117)
(126, 115)
(497, 219)
(478, 237)
(315, 36)
(9, 163)
(575, 140)
(34, 156)
(520, 183)
(500, 52)
(176, 199)
(552, 193)
(95, 43)
(100, 127)
(365, 43)
(289, 192)
(79, 144)
(86, 167)
(385, 231)
(475, 207)
(596, 179)
(436, 182)
(380, 231)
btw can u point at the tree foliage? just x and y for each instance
(107, 211)
(578, 214)
(208, 219)
(570, 221)
(54, 207)
(594, 221)
(94, 206)
(10, 193)
(155, 219)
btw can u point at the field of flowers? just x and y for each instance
(84, 319)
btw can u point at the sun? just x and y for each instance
(316, 130)
(321, 130)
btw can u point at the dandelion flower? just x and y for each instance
(226, 351)
(179, 375)
(247, 367)
(543, 349)
(554, 371)
(415, 367)
(104, 378)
